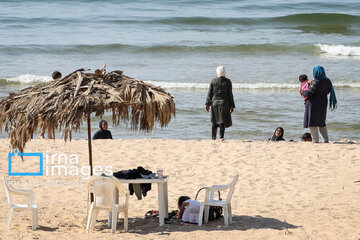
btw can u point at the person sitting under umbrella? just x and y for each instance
(103, 133)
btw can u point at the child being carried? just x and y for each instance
(304, 85)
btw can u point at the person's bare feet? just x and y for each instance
(41, 137)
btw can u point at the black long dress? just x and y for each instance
(220, 98)
(316, 104)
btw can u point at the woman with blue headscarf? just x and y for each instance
(316, 104)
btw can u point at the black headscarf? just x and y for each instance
(101, 123)
(275, 138)
(102, 134)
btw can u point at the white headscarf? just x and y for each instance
(220, 71)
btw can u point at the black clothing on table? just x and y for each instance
(133, 174)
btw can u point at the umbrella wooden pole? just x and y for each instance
(90, 151)
(89, 142)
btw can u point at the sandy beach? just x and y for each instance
(286, 190)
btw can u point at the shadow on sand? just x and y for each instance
(241, 223)
(44, 228)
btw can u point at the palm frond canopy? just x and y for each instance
(63, 104)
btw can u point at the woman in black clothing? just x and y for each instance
(316, 104)
(103, 133)
(220, 99)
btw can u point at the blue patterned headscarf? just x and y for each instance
(319, 73)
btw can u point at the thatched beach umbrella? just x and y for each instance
(63, 104)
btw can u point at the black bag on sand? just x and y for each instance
(215, 212)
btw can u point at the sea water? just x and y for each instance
(264, 46)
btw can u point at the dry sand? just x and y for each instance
(286, 190)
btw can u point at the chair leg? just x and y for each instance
(206, 215)
(9, 216)
(90, 217)
(226, 215)
(230, 213)
(94, 216)
(126, 220)
(35, 215)
(114, 219)
(201, 213)
(109, 219)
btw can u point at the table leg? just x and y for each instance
(161, 201)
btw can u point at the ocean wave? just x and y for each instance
(24, 79)
(32, 79)
(322, 23)
(318, 18)
(239, 86)
(164, 48)
(304, 18)
(345, 29)
(123, 48)
(340, 50)
(292, 19)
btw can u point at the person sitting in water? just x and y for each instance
(56, 76)
(189, 209)
(103, 133)
(278, 135)
(306, 137)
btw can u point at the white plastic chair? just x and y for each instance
(210, 201)
(106, 197)
(16, 207)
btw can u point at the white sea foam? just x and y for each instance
(339, 50)
(194, 86)
(347, 84)
(29, 78)
(202, 86)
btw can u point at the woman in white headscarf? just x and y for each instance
(221, 101)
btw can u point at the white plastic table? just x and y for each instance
(162, 195)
